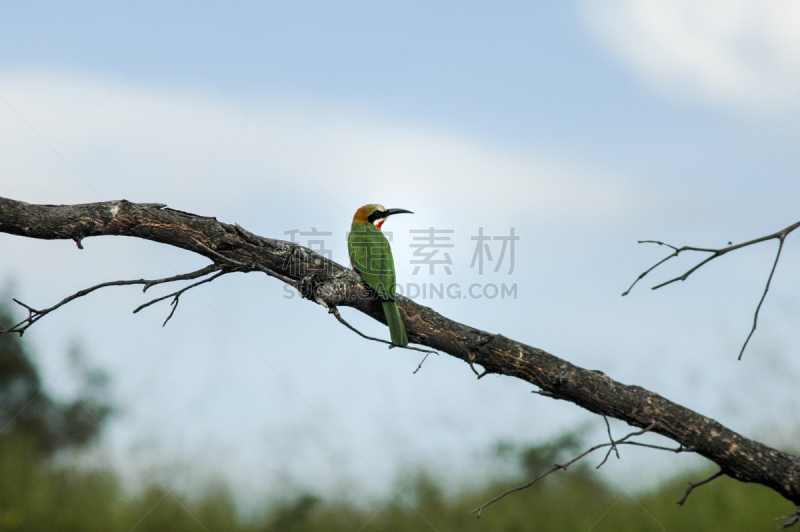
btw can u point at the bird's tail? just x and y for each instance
(396, 328)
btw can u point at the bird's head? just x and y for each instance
(376, 214)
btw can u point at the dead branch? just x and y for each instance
(715, 253)
(611, 445)
(177, 294)
(231, 248)
(421, 362)
(35, 315)
(341, 320)
(693, 485)
(761, 301)
(427, 352)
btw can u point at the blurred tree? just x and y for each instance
(536, 459)
(28, 411)
(292, 516)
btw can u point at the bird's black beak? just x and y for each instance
(389, 212)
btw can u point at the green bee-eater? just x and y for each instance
(371, 257)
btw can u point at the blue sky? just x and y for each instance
(586, 126)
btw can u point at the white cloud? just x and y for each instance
(197, 153)
(740, 53)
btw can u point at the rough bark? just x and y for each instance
(333, 285)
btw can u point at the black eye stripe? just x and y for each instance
(377, 215)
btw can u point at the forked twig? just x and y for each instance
(613, 443)
(612, 447)
(35, 315)
(339, 317)
(176, 296)
(715, 253)
(693, 485)
(248, 267)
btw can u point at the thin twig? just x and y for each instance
(656, 265)
(612, 447)
(422, 362)
(693, 485)
(253, 266)
(564, 466)
(764, 295)
(339, 317)
(782, 234)
(176, 296)
(679, 449)
(35, 315)
(475, 371)
(715, 253)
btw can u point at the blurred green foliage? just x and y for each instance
(38, 495)
(28, 411)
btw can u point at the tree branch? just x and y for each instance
(35, 315)
(612, 445)
(693, 485)
(176, 295)
(761, 301)
(329, 284)
(341, 320)
(715, 253)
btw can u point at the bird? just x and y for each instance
(371, 257)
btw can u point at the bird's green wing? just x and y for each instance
(371, 257)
